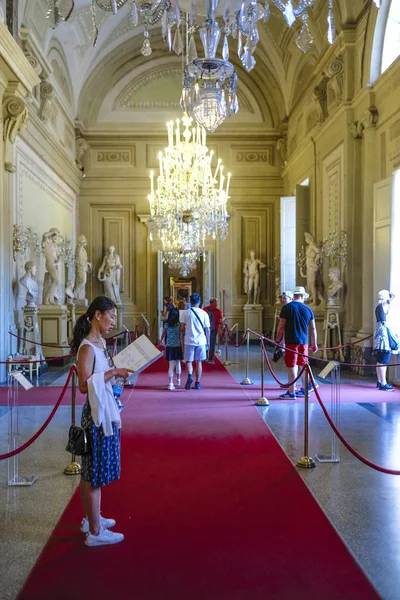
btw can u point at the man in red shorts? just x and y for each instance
(296, 319)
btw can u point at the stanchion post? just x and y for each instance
(247, 380)
(14, 478)
(74, 468)
(262, 401)
(226, 362)
(306, 462)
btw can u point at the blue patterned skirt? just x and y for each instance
(102, 463)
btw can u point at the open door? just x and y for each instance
(288, 243)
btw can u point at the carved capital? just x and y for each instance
(320, 96)
(372, 116)
(47, 94)
(35, 64)
(80, 148)
(357, 129)
(336, 73)
(15, 117)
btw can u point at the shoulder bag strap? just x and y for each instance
(198, 318)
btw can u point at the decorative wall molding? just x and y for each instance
(47, 93)
(125, 100)
(252, 154)
(336, 74)
(80, 148)
(109, 157)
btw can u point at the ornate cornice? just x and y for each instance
(15, 59)
(15, 117)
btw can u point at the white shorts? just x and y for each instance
(191, 353)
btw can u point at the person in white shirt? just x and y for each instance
(195, 336)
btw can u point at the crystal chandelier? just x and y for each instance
(188, 200)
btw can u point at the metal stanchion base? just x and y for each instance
(20, 480)
(73, 468)
(246, 381)
(327, 458)
(217, 352)
(226, 363)
(306, 462)
(261, 402)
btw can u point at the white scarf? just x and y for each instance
(102, 403)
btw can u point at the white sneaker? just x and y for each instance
(104, 538)
(178, 381)
(105, 523)
(171, 386)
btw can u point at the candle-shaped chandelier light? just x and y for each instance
(188, 199)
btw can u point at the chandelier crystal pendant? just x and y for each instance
(188, 199)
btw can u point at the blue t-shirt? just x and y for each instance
(173, 339)
(298, 316)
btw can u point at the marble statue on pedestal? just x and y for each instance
(51, 292)
(82, 268)
(335, 286)
(110, 274)
(312, 262)
(251, 270)
(29, 282)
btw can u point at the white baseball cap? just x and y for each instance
(287, 294)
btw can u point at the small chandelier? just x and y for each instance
(188, 200)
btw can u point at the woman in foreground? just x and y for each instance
(100, 417)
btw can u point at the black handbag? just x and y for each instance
(393, 341)
(277, 355)
(78, 443)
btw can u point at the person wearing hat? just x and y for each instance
(381, 347)
(285, 298)
(296, 319)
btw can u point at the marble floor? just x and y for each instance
(362, 504)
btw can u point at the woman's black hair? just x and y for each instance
(173, 317)
(83, 324)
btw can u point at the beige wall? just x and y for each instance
(114, 196)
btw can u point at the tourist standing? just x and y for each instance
(382, 349)
(296, 319)
(215, 316)
(100, 419)
(195, 336)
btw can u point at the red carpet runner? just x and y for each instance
(210, 506)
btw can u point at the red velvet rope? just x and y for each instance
(273, 374)
(343, 440)
(45, 424)
(27, 362)
(108, 340)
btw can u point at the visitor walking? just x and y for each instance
(100, 419)
(296, 319)
(173, 350)
(195, 336)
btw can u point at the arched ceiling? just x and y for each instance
(88, 75)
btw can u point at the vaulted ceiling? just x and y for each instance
(113, 82)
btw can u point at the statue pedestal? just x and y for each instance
(253, 318)
(71, 318)
(331, 323)
(30, 331)
(120, 317)
(54, 328)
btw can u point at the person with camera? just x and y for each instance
(383, 344)
(101, 419)
(285, 298)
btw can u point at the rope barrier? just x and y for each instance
(286, 384)
(45, 424)
(108, 340)
(343, 440)
(27, 361)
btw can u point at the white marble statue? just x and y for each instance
(312, 261)
(110, 274)
(51, 292)
(29, 282)
(251, 270)
(82, 268)
(69, 291)
(335, 285)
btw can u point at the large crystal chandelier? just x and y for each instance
(188, 199)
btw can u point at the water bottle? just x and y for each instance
(118, 387)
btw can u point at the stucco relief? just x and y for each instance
(254, 156)
(113, 156)
(137, 96)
